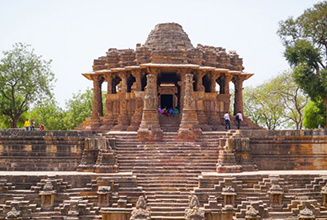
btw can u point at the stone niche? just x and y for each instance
(229, 195)
(47, 196)
(104, 193)
(276, 195)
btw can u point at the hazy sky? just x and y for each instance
(72, 33)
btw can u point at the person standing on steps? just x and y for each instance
(227, 120)
(239, 118)
(27, 124)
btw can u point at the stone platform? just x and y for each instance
(217, 176)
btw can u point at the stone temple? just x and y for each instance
(157, 74)
(133, 164)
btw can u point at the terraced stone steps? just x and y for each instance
(168, 171)
(41, 150)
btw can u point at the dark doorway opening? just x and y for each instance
(166, 101)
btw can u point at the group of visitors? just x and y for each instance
(30, 126)
(168, 112)
(238, 118)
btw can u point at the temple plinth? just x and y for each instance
(169, 56)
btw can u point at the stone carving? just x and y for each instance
(150, 92)
(306, 213)
(189, 101)
(13, 213)
(48, 186)
(141, 212)
(229, 189)
(194, 212)
(251, 213)
(189, 127)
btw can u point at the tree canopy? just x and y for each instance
(314, 115)
(77, 110)
(305, 41)
(24, 77)
(276, 104)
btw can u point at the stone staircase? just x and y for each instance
(170, 123)
(168, 171)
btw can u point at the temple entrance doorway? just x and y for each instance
(168, 95)
(166, 101)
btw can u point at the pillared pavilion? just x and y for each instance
(166, 71)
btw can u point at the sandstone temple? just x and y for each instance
(128, 162)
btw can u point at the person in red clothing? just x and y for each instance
(41, 128)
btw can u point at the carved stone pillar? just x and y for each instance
(124, 97)
(108, 121)
(213, 107)
(150, 127)
(213, 76)
(238, 102)
(123, 75)
(138, 101)
(189, 127)
(224, 89)
(199, 82)
(225, 79)
(138, 74)
(202, 118)
(97, 103)
(182, 89)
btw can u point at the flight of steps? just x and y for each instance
(167, 171)
(169, 123)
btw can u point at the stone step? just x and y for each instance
(169, 188)
(186, 162)
(172, 208)
(160, 203)
(170, 179)
(167, 175)
(165, 184)
(168, 212)
(164, 217)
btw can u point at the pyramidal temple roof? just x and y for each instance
(168, 36)
(168, 44)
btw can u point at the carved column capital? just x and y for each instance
(153, 70)
(97, 77)
(137, 72)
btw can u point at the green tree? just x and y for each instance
(277, 103)
(49, 114)
(305, 41)
(24, 77)
(78, 109)
(291, 97)
(262, 107)
(314, 115)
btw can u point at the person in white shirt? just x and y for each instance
(239, 118)
(227, 120)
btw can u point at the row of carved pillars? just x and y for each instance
(223, 80)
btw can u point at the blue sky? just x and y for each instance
(72, 33)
